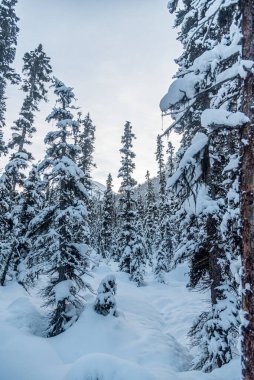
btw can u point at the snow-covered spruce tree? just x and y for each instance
(8, 37)
(132, 248)
(170, 163)
(163, 240)
(204, 102)
(140, 204)
(30, 204)
(36, 72)
(161, 265)
(140, 215)
(60, 232)
(108, 219)
(86, 139)
(159, 154)
(139, 255)
(127, 205)
(163, 234)
(150, 215)
(94, 208)
(105, 303)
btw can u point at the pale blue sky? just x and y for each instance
(119, 58)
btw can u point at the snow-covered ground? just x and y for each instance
(146, 342)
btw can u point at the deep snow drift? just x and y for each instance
(147, 341)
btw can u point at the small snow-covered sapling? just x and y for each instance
(105, 303)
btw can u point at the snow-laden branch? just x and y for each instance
(198, 143)
(212, 118)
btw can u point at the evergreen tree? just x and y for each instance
(170, 165)
(132, 248)
(95, 215)
(150, 216)
(140, 214)
(127, 203)
(60, 232)
(86, 138)
(204, 102)
(36, 70)
(30, 203)
(107, 224)
(140, 206)
(161, 166)
(139, 255)
(105, 303)
(163, 244)
(86, 143)
(8, 37)
(162, 235)
(161, 264)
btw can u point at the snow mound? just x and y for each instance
(106, 367)
(24, 315)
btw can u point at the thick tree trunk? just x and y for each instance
(247, 194)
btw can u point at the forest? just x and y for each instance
(154, 281)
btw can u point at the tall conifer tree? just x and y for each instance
(170, 164)
(86, 143)
(108, 219)
(150, 215)
(204, 102)
(36, 72)
(161, 165)
(127, 203)
(60, 232)
(8, 37)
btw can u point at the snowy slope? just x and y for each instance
(141, 189)
(98, 190)
(146, 342)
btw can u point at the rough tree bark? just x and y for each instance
(247, 194)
